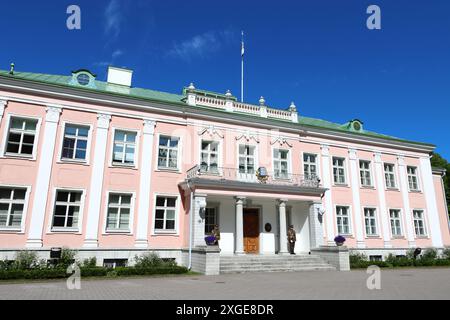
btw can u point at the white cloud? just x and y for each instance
(201, 45)
(113, 18)
(117, 54)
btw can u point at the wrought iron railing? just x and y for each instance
(253, 176)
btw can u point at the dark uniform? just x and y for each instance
(292, 238)
(216, 233)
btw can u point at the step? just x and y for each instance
(257, 270)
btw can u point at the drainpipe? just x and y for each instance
(190, 226)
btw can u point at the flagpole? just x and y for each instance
(242, 69)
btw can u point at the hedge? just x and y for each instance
(401, 262)
(35, 274)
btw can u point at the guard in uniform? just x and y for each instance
(292, 238)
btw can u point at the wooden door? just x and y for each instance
(251, 231)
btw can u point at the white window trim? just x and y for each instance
(396, 177)
(220, 156)
(78, 229)
(179, 157)
(350, 219)
(256, 157)
(289, 161)
(132, 213)
(418, 177)
(21, 229)
(61, 143)
(175, 232)
(318, 161)
(402, 223)
(136, 149)
(372, 176)
(346, 171)
(377, 222)
(6, 135)
(425, 222)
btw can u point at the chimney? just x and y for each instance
(120, 76)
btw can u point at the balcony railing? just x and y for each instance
(239, 175)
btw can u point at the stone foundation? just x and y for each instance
(338, 257)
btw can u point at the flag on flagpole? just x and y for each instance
(243, 46)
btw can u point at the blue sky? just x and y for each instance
(319, 53)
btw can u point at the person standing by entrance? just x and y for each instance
(292, 239)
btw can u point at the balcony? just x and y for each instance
(218, 176)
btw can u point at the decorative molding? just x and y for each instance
(248, 136)
(211, 130)
(377, 156)
(3, 104)
(53, 113)
(352, 154)
(282, 141)
(103, 121)
(325, 150)
(401, 160)
(149, 126)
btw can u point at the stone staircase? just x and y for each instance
(272, 263)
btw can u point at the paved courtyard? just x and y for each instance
(395, 284)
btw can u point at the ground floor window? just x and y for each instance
(343, 220)
(419, 223)
(115, 263)
(67, 209)
(211, 219)
(371, 221)
(165, 213)
(12, 202)
(119, 210)
(396, 225)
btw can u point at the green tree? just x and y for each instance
(438, 161)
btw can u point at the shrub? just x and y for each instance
(93, 272)
(89, 263)
(26, 260)
(446, 253)
(430, 254)
(67, 258)
(357, 258)
(121, 271)
(151, 260)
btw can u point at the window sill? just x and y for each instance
(415, 191)
(123, 166)
(374, 237)
(117, 232)
(398, 238)
(422, 238)
(166, 170)
(75, 162)
(165, 233)
(11, 230)
(393, 189)
(368, 187)
(56, 230)
(344, 185)
(18, 157)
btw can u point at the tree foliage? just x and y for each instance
(438, 161)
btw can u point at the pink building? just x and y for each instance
(113, 171)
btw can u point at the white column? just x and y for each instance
(430, 198)
(240, 225)
(199, 220)
(315, 225)
(96, 188)
(145, 184)
(283, 226)
(2, 108)
(384, 214)
(406, 206)
(326, 180)
(354, 176)
(43, 178)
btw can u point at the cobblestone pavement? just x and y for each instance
(395, 284)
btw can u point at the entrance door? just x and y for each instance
(251, 231)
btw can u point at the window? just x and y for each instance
(375, 258)
(364, 172)
(83, 79)
(396, 224)
(124, 148)
(119, 209)
(343, 220)
(165, 213)
(114, 263)
(419, 223)
(21, 137)
(75, 142)
(247, 159)
(210, 219)
(412, 179)
(168, 153)
(339, 170)
(67, 209)
(210, 157)
(12, 202)
(371, 221)
(310, 166)
(389, 176)
(281, 163)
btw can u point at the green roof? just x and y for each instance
(170, 98)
